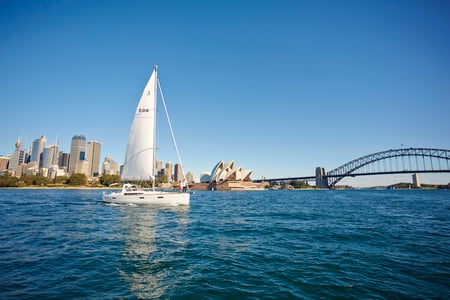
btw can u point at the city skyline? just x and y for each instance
(86, 157)
(281, 86)
(88, 162)
(48, 161)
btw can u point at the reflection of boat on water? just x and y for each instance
(140, 156)
(152, 235)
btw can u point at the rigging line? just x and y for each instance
(137, 154)
(171, 132)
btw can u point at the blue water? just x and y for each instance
(63, 244)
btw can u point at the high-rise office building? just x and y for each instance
(190, 177)
(93, 157)
(168, 171)
(177, 173)
(37, 149)
(159, 168)
(63, 160)
(18, 157)
(77, 152)
(49, 156)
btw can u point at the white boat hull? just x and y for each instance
(148, 197)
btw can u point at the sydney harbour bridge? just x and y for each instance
(393, 161)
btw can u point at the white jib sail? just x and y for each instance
(139, 157)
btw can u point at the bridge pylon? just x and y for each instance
(321, 180)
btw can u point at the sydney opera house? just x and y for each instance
(225, 176)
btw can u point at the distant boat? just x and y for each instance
(140, 157)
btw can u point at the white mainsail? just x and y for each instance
(140, 154)
(139, 162)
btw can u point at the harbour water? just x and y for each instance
(352, 244)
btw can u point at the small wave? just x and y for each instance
(226, 245)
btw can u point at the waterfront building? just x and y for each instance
(55, 171)
(37, 149)
(110, 167)
(222, 172)
(82, 167)
(32, 168)
(190, 177)
(77, 152)
(4, 161)
(21, 170)
(225, 176)
(205, 177)
(114, 168)
(43, 172)
(93, 157)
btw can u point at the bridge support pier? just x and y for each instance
(416, 180)
(321, 180)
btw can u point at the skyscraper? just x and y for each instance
(168, 171)
(93, 157)
(189, 177)
(159, 167)
(77, 152)
(18, 157)
(178, 173)
(38, 147)
(63, 160)
(49, 156)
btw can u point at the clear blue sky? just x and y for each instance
(281, 87)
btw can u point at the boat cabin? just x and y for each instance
(131, 189)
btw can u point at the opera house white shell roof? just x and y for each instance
(223, 172)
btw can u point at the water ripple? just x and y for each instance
(249, 245)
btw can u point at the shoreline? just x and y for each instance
(428, 188)
(57, 188)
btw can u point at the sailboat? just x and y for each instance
(140, 156)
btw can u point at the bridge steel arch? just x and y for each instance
(428, 156)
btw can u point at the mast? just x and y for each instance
(155, 91)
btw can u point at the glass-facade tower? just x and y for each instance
(77, 151)
(37, 149)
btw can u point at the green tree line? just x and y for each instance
(77, 179)
(298, 184)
